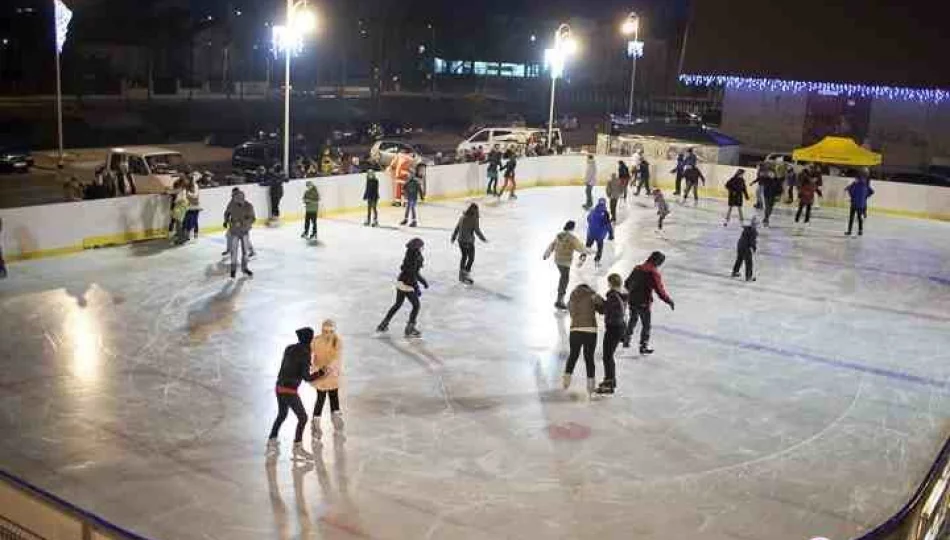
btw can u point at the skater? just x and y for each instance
(859, 191)
(680, 167)
(745, 248)
(585, 304)
(311, 204)
(563, 248)
(615, 191)
(643, 177)
(407, 288)
(590, 180)
(806, 197)
(511, 162)
(494, 164)
(227, 222)
(179, 211)
(624, 173)
(615, 325)
(239, 217)
(193, 201)
(599, 227)
(737, 193)
(690, 159)
(371, 196)
(413, 192)
(465, 232)
(3, 263)
(692, 175)
(326, 365)
(275, 189)
(641, 284)
(294, 368)
(771, 189)
(791, 182)
(662, 209)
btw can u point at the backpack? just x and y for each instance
(638, 285)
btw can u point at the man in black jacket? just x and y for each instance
(294, 368)
(745, 248)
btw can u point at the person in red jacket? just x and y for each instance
(641, 284)
(806, 197)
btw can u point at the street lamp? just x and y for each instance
(631, 27)
(564, 46)
(301, 20)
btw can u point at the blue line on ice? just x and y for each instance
(814, 358)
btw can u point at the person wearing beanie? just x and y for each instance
(584, 305)
(598, 228)
(615, 325)
(641, 284)
(371, 196)
(563, 247)
(465, 232)
(326, 365)
(294, 368)
(407, 288)
(745, 248)
(311, 203)
(737, 192)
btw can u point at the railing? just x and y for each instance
(30, 513)
(924, 517)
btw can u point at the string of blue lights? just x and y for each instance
(931, 95)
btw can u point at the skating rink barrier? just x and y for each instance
(39, 231)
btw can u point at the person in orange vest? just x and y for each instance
(399, 170)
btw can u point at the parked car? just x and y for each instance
(268, 152)
(514, 138)
(384, 151)
(153, 169)
(15, 158)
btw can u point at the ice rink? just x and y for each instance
(137, 382)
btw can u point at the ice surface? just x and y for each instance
(137, 382)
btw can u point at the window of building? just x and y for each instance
(511, 70)
(440, 66)
(533, 70)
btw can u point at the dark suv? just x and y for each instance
(253, 154)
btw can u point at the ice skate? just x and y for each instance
(464, 277)
(337, 419)
(560, 305)
(382, 328)
(566, 381)
(233, 271)
(644, 349)
(412, 331)
(247, 272)
(591, 386)
(300, 454)
(513, 197)
(225, 253)
(847, 233)
(366, 223)
(375, 223)
(735, 274)
(581, 261)
(753, 278)
(414, 224)
(315, 432)
(303, 234)
(273, 448)
(403, 222)
(251, 254)
(606, 387)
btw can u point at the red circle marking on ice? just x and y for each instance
(568, 432)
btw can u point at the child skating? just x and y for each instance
(737, 193)
(494, 166)
(407, 288)
(615, 326)
(584, 306)
(564, 245)
(511, 164)
(465, 232)
(294, 368)
(641, 284)
(746, 248)
(859, 192)
(326, 364)
(311, 204)
(662, 208)
(598, 228)
(414, 192)
(371, 196)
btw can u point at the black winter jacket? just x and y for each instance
(295, 367)
(615, 308)
(411, 266)
(748, 239)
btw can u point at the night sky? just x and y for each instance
(860, 41)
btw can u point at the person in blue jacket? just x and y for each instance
(599, 227)
(859, 191)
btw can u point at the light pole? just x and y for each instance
(300, 21)
(564, 45)
(631, 26)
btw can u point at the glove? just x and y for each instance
(672, 306)
(611, 238)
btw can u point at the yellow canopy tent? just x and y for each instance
(838, 151)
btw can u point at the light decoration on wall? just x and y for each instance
(898, 93)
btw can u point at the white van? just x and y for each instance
(153, 169)
(515, 138)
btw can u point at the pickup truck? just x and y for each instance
(153, 169)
